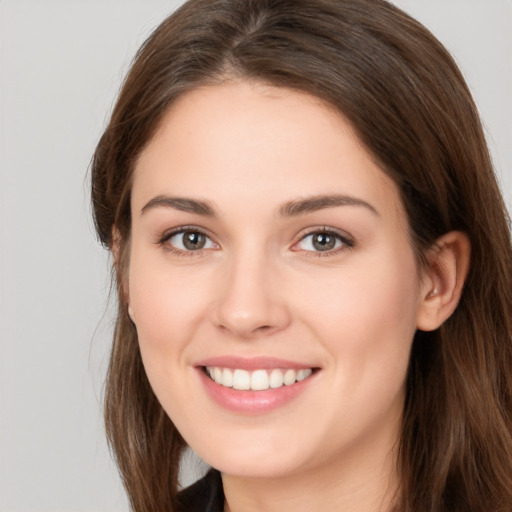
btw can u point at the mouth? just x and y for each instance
(255, 385)
(258, 379)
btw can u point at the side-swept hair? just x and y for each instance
(409, 105)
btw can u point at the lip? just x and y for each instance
(252, 363)
(252, 402)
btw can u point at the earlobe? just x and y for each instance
(448, 265)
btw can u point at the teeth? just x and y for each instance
(217, 375)
(276, 379)
(289, 377)
(241, 380)
(303, 374)
(257, 380)
(227, 377)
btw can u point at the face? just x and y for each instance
(272, 282)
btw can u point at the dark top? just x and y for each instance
(206, 495)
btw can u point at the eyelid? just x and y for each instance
(347, 241)
(167, 235)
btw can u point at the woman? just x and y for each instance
(313, 266)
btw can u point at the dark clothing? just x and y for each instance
(206, 495)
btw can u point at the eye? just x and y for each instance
(189, 240)
(323, 241)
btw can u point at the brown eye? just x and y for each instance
(193, 241)
(323, 241)
(189, 241)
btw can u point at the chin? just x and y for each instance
(255, 467)
(253, 456)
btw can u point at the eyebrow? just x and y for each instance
(314, 203)
(290, 209)
(182, 204)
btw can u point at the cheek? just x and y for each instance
(366, 320)
(168, 304)
(366, 315)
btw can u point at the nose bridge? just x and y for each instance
(249, 302)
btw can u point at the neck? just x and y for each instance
(358, 484)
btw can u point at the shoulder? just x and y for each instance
(205, 495)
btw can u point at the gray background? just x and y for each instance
(60, 68)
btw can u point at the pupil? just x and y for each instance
(193, 240)
(324, 242)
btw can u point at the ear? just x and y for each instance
(441, 289)
(121, 270)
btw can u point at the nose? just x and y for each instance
(251, 300)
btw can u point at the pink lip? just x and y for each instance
(252, 402)
(251, 363)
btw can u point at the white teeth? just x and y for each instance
(241, 380)
(217, 375)
(304, 374)
(289, 377)
(276, 378)
(258, 380)
(227, 378)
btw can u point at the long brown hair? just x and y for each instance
(410, 106)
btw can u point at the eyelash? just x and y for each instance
(181, 230)
(347, 243)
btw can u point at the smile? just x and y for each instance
(257, 380)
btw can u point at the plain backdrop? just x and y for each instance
(61, 63)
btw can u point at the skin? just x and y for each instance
(260, 288)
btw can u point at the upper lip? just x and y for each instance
(252, 363)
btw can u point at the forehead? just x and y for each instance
(254, 142)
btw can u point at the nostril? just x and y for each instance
(248, 331)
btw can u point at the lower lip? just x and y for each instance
(253, 402)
